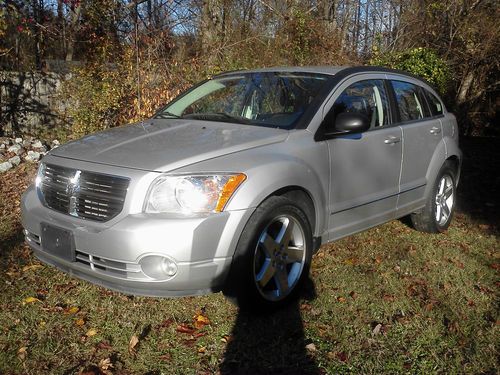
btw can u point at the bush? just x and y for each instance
(94, 96)
(420, 61)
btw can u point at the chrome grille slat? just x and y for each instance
(93, 196)
(111, 267)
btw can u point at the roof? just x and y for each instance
(330, 70)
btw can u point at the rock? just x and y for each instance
(37, 144)
(16, 149)
(32, 156)
(2, 146)
(18, 140)
(4, 167)
(15, 160)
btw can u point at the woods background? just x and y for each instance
(70, 67)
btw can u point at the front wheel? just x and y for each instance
(436, 216)
(272, 257)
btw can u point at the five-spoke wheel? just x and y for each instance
(272, 257)
(438, 211)
(279, 257)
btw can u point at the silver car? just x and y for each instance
(238, 181)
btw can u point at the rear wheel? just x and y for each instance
(272, 257)
(436, 216)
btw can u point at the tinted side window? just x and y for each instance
(410, 103)
(434, 103)
(366, 97)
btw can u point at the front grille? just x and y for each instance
(83, 194)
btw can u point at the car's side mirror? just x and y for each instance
(349, 123)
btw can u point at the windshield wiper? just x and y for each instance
(167, 114)
(218, 116)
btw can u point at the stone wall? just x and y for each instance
(29, 102)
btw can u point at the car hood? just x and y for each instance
(165, 145)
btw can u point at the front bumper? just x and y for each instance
(110, 254)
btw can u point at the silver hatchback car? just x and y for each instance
(238, 181)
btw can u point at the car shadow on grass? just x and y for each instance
(272, 343)
(10, 244)
(477, 195)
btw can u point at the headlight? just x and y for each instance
(40, 175)
(192, 194)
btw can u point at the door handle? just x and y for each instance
(435, 130)
(392, 140)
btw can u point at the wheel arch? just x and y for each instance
(303, 198)
(435, 165)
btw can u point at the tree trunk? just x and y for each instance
(212, 28)
(464, 88)
(75, 19)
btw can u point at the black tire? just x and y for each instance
(267, 272)
(426, 220)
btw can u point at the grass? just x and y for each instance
(389, 300)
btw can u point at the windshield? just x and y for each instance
(264, 99)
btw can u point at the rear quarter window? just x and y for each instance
(411, 104)
(435, 104)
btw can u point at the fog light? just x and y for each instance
(158, 267)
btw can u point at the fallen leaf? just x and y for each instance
(134, 340)
(311, 347)
(202, 350)
(166, 323)
(105, 364)
(305, 307)
(341, 299)
(30, 300)
(79, 322)
(32, 267)
(103, 345)
(71, 310)
(378, 260)
(183, 328)
(12, 273)
(351, 261)
(165, 357)
(199, 334)
(91, 332)
(376, 330)
(200, 321)
(21, 353)
(353, 294)
(429, 306)
(388, 297)
(226, 339)
(342, 356)
(471, 303)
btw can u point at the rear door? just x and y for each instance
(422, 132)
(364, 168)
